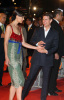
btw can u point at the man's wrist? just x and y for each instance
(36, 44)
(46, 52)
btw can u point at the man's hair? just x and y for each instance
(56, 11)
(2, 14)
(30, 19)
(48, 14)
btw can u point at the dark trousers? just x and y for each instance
(24, 66)
(54, 75)
(29, 82)
(1, 69)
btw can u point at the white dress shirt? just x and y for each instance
(30, 26)
(56, 21)
(3, 26)
(0, 24)
(46, 31)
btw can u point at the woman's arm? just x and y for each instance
(7, 35)
(28, 45)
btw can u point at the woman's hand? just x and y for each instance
(41, 49)
(7, 61)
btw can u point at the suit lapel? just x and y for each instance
(43, 33)
(0, 29)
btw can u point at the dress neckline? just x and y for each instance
(17, 34)
(14, 32)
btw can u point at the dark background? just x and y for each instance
(42, 5)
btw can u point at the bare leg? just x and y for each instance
(19, 93)
(12, 92)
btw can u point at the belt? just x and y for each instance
(20, 44)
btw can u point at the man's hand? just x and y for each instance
(56, 56)
(40, 43)
(2, 35)
(42, 50)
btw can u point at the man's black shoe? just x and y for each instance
(57, 90)
(1, 84)
(52, 93)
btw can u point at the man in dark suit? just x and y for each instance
(44, 58)
(58, 15)
(2, 30)
(30, 30)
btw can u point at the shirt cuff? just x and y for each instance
(36, 44)
(47, 52)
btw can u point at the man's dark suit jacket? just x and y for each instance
(58, 28)
(29, 36)
(1, 46)
(30, 33)
(51, 45)
(2, 56)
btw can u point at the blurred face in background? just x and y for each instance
(40, 22)
(28, 22)
(2, 18)
(10, 19)
(60, 16)
(36, 23)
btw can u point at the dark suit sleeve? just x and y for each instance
(61, 44)
(57, 27)
(34, 38)
(54, 44)
(0, 32)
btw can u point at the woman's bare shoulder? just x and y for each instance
(8, 27)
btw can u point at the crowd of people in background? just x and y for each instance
(29, 27)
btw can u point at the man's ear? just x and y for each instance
(57, 15)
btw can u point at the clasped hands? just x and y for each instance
(41, 48)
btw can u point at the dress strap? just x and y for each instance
(11, 28)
